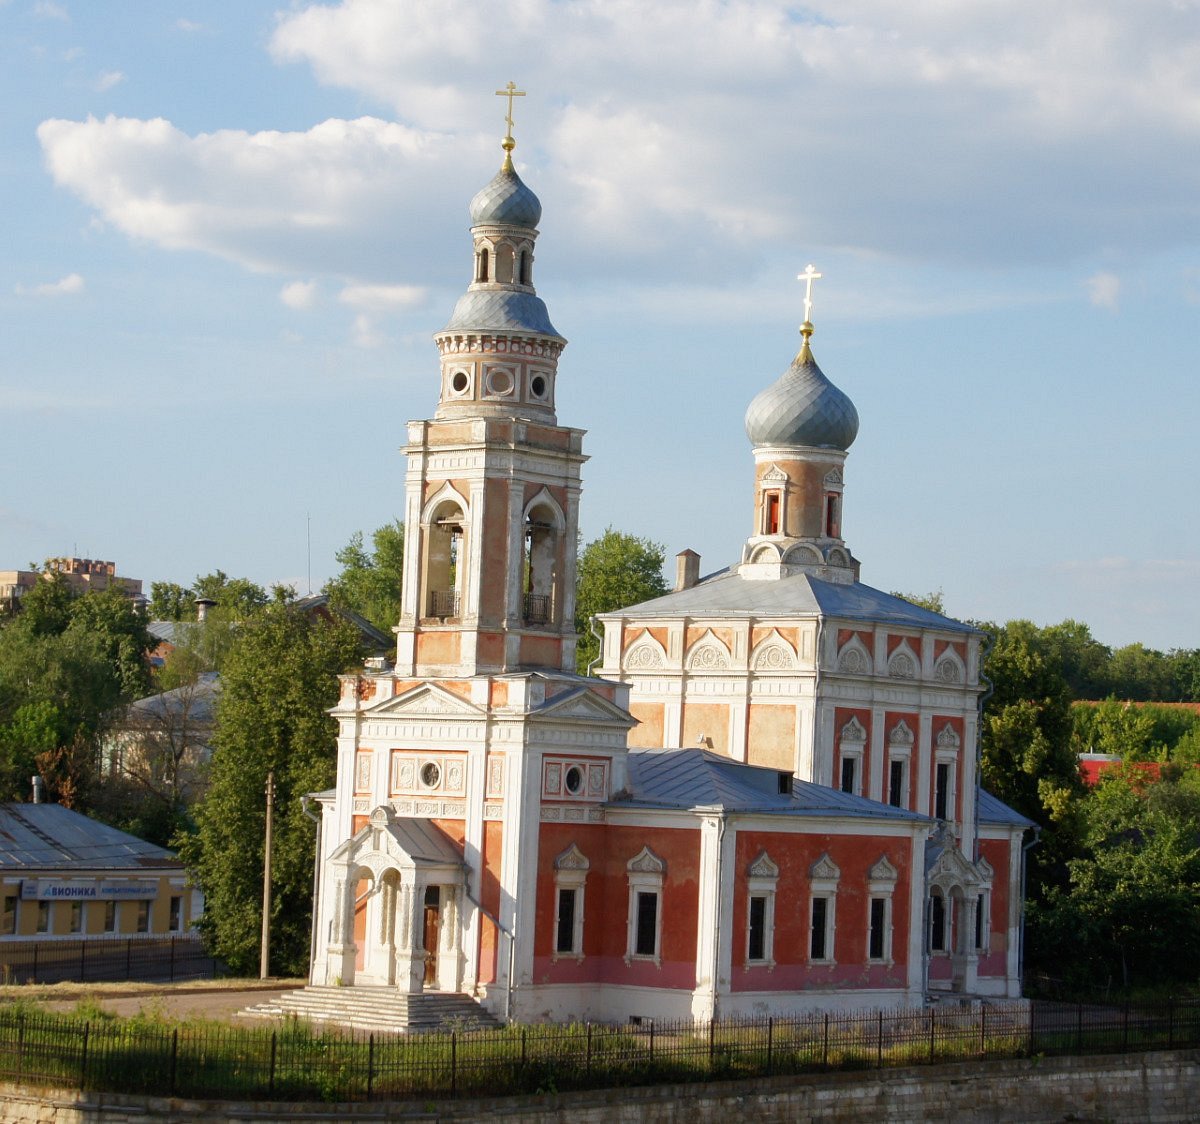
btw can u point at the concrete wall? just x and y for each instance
(1162, 1086)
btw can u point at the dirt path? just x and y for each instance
(201, 999)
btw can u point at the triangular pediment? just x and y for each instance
(390, 842)
(583, 705)
(883, 871)
(952, 869)
(423, 701)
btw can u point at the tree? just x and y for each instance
(278, 682)
(615, 570)
(170, 601)
(120, 627)
(236, 598)
(934, 601)
(369, 582)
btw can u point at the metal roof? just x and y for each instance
(500, 310)
(199, 701)
(692, 778)
(995, 811)
(51, 837)
(726, 594)
(506, 201)
(802, 408)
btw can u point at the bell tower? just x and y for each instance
(492, 490)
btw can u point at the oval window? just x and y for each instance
(538, 386)
(430, 774)
(574, 779)
(460, 382)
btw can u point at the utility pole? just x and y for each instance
(264, 962)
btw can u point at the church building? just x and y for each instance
(765, 802)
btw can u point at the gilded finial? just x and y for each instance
(809, 275)
(508, 144)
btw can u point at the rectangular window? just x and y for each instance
(756, 948)
(176, 922)
(564, 940)
(941, 791)
(896, 783)
(877, 942)
(832, 523)
(820, 915)
(143, 917)
(77, 917)
(772, 516)
(937, 923)
(8, 923)
(646, 936)
(980, 924)
(850, 774)
(43, 917)
(110, 917)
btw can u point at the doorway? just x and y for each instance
(432, 931)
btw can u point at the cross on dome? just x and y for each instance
(809, 275)
(508, 144)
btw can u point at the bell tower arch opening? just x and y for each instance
(443, 535)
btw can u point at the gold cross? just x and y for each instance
(510, 91)
(809, 275)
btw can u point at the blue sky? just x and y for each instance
(234, 226)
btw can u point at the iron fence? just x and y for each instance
(295, 1063)
(103, 958)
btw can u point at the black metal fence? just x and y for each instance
(294, 1063)
(100, 959)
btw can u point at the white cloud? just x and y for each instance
(188, 25)
(1103, 290)
(48, 10)
(108, 79)
(66, 286)
(365, 334)
(299, 294)
(378, 298)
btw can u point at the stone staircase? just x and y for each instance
(377, 1009)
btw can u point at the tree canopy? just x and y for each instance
(369, 581)
(615, 570)
(278, 681)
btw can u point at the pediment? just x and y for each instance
(390, 842)
(883, 871)
(824, 870)
(584, 705)
(763, 867)
(572, 859)
(425, 701)
(952, 869)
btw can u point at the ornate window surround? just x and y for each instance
(762, 878)
(570, 873)
(645, 873)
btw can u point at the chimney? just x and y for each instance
(687, 569)
(203, 604)
(39, 790)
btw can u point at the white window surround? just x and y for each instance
(852, 746)
(881, 884)
(823, 877)
(645, 872)
(947, 930)
(570, 873)
(762, 878)
(900, 745)
(983, 935)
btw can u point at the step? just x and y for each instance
(376, 1009)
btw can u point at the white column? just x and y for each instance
(875, 756)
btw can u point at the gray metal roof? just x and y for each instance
(199, 701)
(691, 778)
(424, 842)
(506, 201)
(163, 630)
(802, 408)
(995, 811)
(500, 310)
(51, 837)
(725, 594)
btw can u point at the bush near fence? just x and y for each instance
(101, 959)
(297, 1064)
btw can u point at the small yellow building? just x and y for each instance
(63, 875)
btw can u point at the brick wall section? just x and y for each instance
(1162, 1086)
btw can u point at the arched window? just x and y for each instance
(541, 566)
(525, 271)
(481, 265)
(444, 554)
(504, 263)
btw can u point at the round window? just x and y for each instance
(500, 383)
(460, 382)
(538, 386)
(430, 774)
(574, 779)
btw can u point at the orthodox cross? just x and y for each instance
(510, 91)
(809, 275)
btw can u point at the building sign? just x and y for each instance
(83, 890)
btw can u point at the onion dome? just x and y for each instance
(802, 408)
(506, 201)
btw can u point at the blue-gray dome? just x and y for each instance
(802, 408)
(506, 201)
(500, 310)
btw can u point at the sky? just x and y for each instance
(233, 227)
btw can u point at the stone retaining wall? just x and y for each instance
(1163, 1086)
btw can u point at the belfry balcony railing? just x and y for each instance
(443, 603)
(537, 608)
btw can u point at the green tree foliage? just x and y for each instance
(278, 681)
(615, 571)
(236, 598)
(170, 601)
(1132, 731)
(369, 581)
(933, 601)
(1130, 913)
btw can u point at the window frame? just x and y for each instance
(10, 919)
(762, 879)
(570, 873)
(45, 917)
(824, 876)
(881, 887)
(646, 874)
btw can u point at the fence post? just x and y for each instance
(1031, 1028)
(651, 1041)
(825, 1053)
(1171, 1023)
(172, 959)
(523, 1054)
(174, 1057)
(82, 956)
(1079, 1027)
(20, 1046)
(35, 958)
(932, 1041)
(454, 1059)
(87, 1026)
(370, 1064)
(588, 1062)
(983, 1031)
(712, 1042)
(271, 1068)
(879, 1044)
(128, 956)
(1125, 1030)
